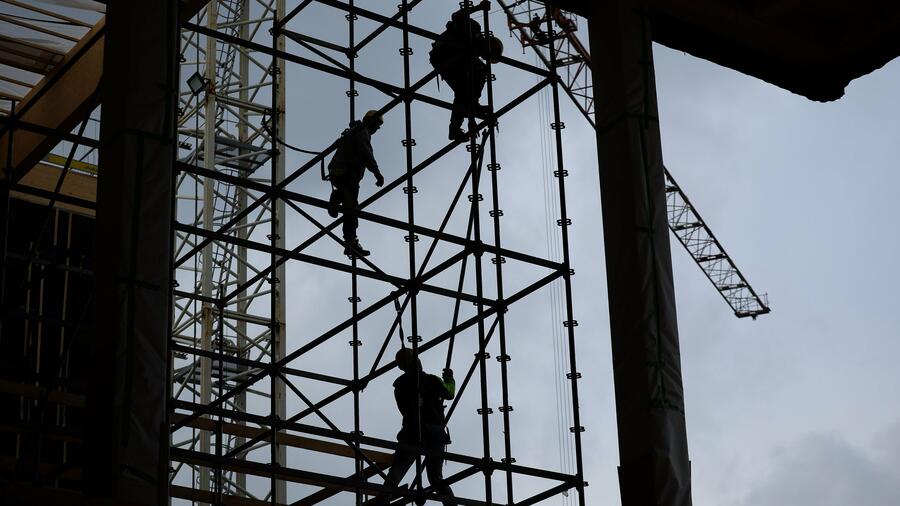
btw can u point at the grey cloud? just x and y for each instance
(826, 470)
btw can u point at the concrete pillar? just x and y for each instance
(654, 467)
(127, 445)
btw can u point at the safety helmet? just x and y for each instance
(494, 49)
(407, 360)
(373, 117)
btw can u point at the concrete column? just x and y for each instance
(126, 457)
(654, 467)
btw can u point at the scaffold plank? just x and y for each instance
(304, 443)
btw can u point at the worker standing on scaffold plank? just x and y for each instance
(345, 171)
(420, 398)
(456, 55)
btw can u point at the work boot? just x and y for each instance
(457, 135)
(334, 203)
(354, 248)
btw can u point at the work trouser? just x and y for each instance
(345, 193)
(467, 80)
(404, 459)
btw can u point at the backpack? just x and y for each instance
(441, 50)
(452, 41)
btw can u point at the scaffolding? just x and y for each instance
(232, 369)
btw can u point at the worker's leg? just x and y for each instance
(401, 463)
(467, 85)
(350, 205)
(454, 78)
(434, 466)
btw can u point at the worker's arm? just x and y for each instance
(368, 154)
(448, 383)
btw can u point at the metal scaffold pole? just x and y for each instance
(279, 299)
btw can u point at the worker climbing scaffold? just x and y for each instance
(457, 56)
(345, 171)
(420, 398)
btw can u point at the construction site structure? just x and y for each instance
(158, 215)
(229, 380)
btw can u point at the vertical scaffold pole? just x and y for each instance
(242, 307)
(4, 201)
(352, 93)
(482, 355)
(564, 222)
(503, 358)
(410, 190)
(209, 161)
(354, 296)
(277, 240)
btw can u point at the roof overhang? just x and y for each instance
(810, 47)
(62, 99)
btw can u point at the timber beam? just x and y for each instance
(62, 99)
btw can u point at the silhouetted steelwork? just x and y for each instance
(224, 439)
(684, 220)
(46, 299)
(223, 127)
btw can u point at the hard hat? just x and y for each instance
(373, 116)
(406, 360)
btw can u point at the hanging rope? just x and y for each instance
(556, 306)
(267, 127)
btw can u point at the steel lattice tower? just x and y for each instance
(222, 304)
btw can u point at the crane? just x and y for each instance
(527, 21)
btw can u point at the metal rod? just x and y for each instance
(570, 323)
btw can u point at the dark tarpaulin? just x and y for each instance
(128, 437)
(654, 466)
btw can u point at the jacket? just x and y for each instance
(427, 403)
(461, 44)
(354, 154)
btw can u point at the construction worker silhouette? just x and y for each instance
(457, 55)
(538, 36)
(420, 398)
(351, 159)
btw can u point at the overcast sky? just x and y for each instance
(798, 407)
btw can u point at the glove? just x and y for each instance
(379, 180)
(485, 4)
(447, 374)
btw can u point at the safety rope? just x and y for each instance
(267, 127)
(556, 306)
